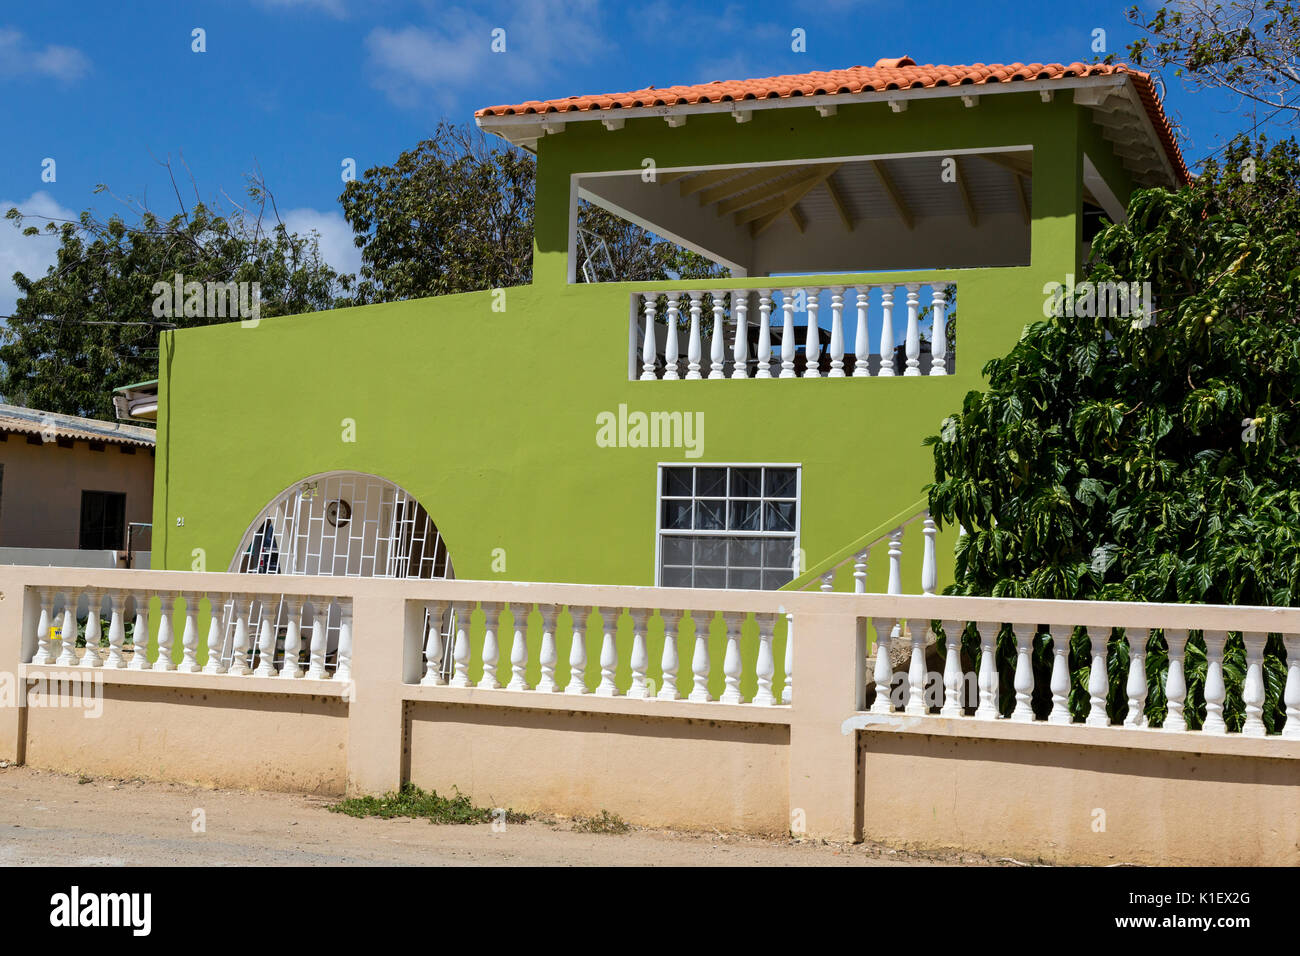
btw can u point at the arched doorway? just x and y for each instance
(338, 524)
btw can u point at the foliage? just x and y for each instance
(411, 801)
(1150, 458)
(606, 822)
(639, 256)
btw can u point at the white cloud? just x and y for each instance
(30, 255)
(334, 233)
(18, 58)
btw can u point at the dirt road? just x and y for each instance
(48, 818)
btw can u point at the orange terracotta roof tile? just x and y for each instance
(900, 73)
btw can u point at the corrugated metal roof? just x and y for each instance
(31, 421)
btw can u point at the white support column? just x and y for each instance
(764, 354)
(433, 648)
(717, 346)
(731, 662)
(1098, 681)
(216, 634)
(461, 649)
(883, 671)
(693, 346)
(953, 675)
(670, 347)
(938, 332)
(837, 333)
(700, 660)
(549, 655)
(577, 684)
(887, 332)
(918, 631)
(116, 630)
(93, 630)
(640, 689)
(1136, 688)
(1176, 680)
(43, 655)
(140, 633)
(239, 647)
(1252, 691)
(289, 667)
(519, 652)
(1291, 693)
(190, 635)
(669, 661)
(896, 561)
(1215, 692)
(988, 672)
(1024, 679)
(648, 353)
(765, 665)
(812, 344)
(913, 344)
(343, 669)
(787, 692)
(860, 571)
(1060, 685)
(929, 564)
(68, 632)
(787, 334)
(166, 607)
(740, 351)
(828, 581)
(491, 647)
(266, 641)
(862, 342)
(609, 654)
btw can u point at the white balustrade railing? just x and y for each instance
(767, 342)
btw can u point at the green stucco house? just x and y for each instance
(729, 433)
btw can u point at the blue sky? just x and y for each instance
(297, 86)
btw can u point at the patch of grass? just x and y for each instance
(605, 823)
(411, 801)
(85, 779)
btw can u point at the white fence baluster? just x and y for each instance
(1252, 690)
(140, 633)
(116, 630)
(764, 353)
(1136, 687)
(461, 649)
(266, 641)
(938, 332)
(1024, 679)
(640, 689)
(1215, 692)
(887, 332)
(290, 669)
(740, 352)
(717, 346)
(320, 612)
(812, 347)
(1098, 680)
(884, 670)
(190, 635)
(1291, 693)
(693, 348)
(1175, 680)
(93, 630)
(988, 673)
(953, 675)
(577, 654)
(1060, 685)
(491, 647)
(731, 662)
(700, 660)
(913, 344)
(608, 654)
(929, 565)
(787, 334)
(68, 632)
(861, 342)
(519, 652)
(216, 634)
(670, 346)
(239, 647)
(648, 352)
(343, 667)
(669, 661)
(433, 648)
(828, 581)
(549, 655)
(43, 655)
(860, 571)
(765, 664)
(166, 607)
(787, 692)
(837, 333)
(917, 631)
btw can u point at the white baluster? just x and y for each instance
(166, 606)
(1176, 680)
(43, 655)
(239, 647)
(491, 648)
(461, 649)
(1252, 690)
(1291, 694)
(787, 335)
(913, 346)
(693, 346)
(895, 585)
(918, 631)
(140, 634)
(93, 630)
(764, 356)
(343, 669)
(68, 632)
(887, 331)
(929, 566)
(577, 655)
(1215, 692)
(812, 346)
(190, 635)
(668, 661)
(670, 347)
(116, 631)
(731, 662)
(828, 581)
(640, 689)
(648, 346)
(549, 655)
(861, 342)
(717, 347)
(787, 692)
(700, 661)
(216, 635)
(266, 641)
(765, 665)
(1136, 687)
(1098, 680)
(1024, 679)
(740, 351)
(938, 332)
(988, 673)
(320, 616)
(519, 652)
(289, 667)
(1060, 684)
(953, 675)
(884, 671)
(433, 649)
(860, 571)
(837, 333)
(609, 655)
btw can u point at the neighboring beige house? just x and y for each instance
(73, 490)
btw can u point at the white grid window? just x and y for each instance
(728, 526)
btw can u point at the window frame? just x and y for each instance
(81, 529)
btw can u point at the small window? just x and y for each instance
(729, 526)
(103, 520)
